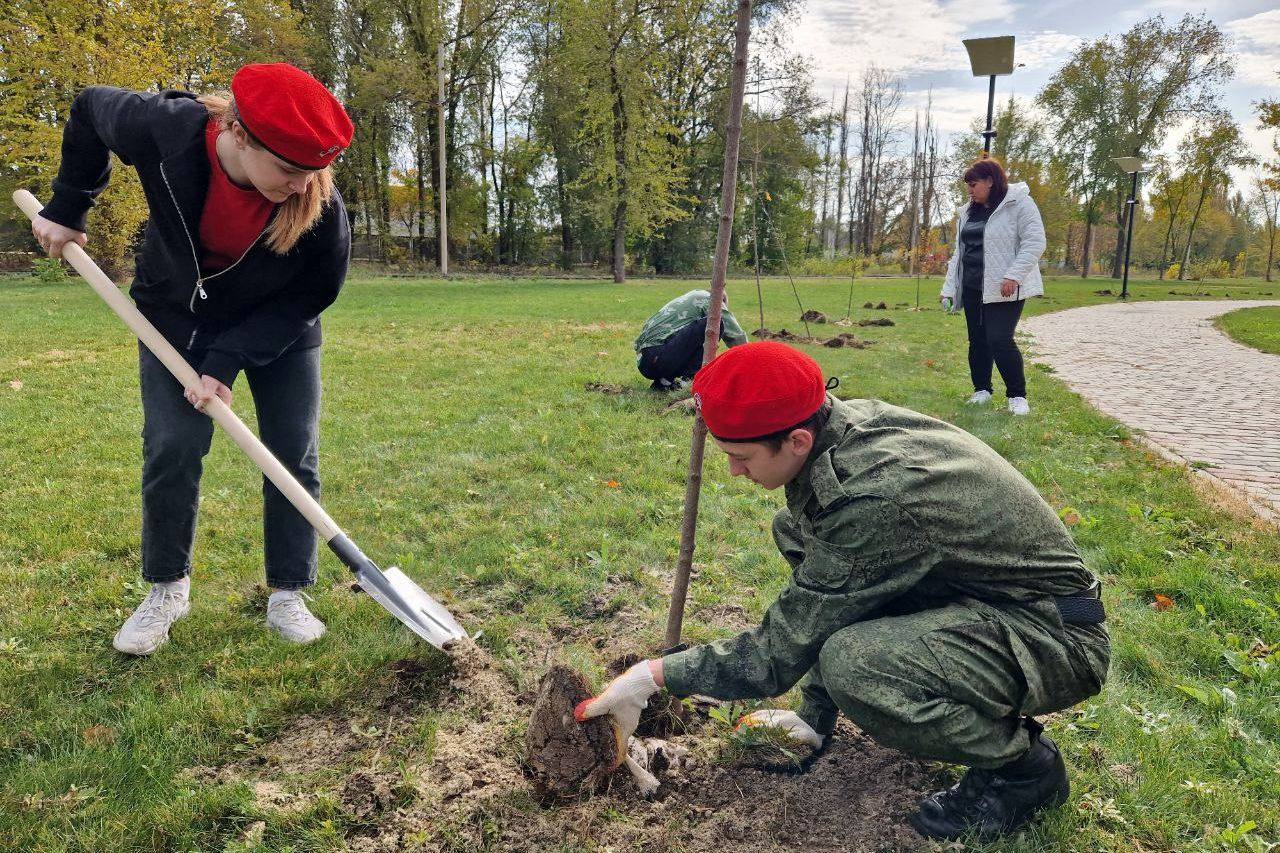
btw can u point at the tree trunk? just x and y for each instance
(697, 446)
(620, 163)
(1191, 231)
(1117, 263)
(843, 173)
(1271, 248)
(420, 163)
(1086, 253)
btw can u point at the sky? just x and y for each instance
(920, 40)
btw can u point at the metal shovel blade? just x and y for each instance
(409, 603)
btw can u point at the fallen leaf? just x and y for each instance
(1070, 516)
(99, 734)
(15, 384)
(613, 484)
(603, 354)
(1163, 602)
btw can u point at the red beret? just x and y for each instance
(756, 389)
(291, 114)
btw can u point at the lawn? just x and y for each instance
(459, 441)
(1254, 327)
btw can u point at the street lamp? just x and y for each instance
(990, 57)
(1131, 166)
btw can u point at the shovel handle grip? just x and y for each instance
(178, 366)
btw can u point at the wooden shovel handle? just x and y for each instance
(178, 366)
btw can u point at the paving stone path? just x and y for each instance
(1162, 368)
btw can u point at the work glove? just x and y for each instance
(624, 698)
(789, 721)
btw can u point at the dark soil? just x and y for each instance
(567, 759)
(878, 321)
(468, 791)
(812, 316)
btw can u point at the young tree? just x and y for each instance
(1267, 199)
(1208, 155)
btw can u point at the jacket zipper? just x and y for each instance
(200, 279)
(195, 258)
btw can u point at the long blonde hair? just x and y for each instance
(300, 211)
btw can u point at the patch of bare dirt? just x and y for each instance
(469, 791)
(607, 389)
(812, 316)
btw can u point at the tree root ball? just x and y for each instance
(565, 758)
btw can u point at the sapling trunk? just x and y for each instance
(728, 194)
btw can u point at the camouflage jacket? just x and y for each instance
(682, 311)
(891, 504)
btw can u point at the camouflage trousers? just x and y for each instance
(950, 681)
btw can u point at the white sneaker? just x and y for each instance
(1018, 406)
(288, 615)
(979, 398)
(148, 628)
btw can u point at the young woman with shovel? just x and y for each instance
(246, 243)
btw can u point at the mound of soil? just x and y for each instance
(567, 759)
(467, 790)
(882, 306)
(878, 321)
(783, 335)
(685, 406)
(846, 339)
(812, 316)
(604, 388)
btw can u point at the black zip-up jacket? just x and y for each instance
(249, 314)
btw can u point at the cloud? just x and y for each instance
(908, 37)
(1258, 48)
(1046, 51)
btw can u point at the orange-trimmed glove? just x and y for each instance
(789, 721)
(624, 698)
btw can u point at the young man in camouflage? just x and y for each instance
(670, 344)
(936, 599)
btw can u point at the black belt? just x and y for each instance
(1083, 608)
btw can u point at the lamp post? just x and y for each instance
(1132, 166)
(990, 57)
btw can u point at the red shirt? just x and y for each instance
(233, 217)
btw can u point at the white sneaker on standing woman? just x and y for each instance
(148, 628)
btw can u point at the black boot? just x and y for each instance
(996, 802)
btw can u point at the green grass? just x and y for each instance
(459, 443)
(1254, 327)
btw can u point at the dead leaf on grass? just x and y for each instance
(1163, 602)
(98, 735)
(15, 384)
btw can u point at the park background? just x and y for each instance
(542, 505)
(588, 136)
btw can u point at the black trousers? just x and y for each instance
(176, 438)
(991, 329)
(678, 357)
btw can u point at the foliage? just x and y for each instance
(49, 270)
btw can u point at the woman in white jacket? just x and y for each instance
(994, 269)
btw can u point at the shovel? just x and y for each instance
(392, 588)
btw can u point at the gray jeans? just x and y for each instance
(176, 438)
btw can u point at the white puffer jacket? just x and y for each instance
(1011, 248)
